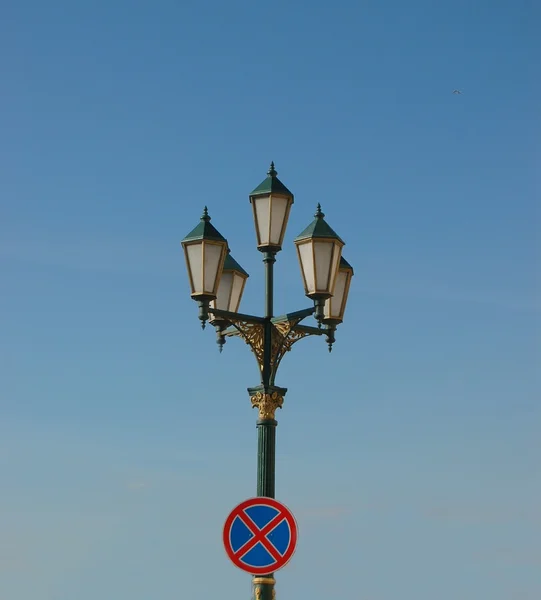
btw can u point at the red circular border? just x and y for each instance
(288, 515)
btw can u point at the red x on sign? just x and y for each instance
(259, 535)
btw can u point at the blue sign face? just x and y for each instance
(260, 536)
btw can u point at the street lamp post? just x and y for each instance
(217, 283)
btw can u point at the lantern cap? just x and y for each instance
(271, 185)
(318, 228)
(204, 230)
(231, 264)
(344, 264)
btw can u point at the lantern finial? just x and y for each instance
(319, 213)
(272, 172)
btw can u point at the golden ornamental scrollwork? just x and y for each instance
(267, 404)
(252, 334)
(288, 336)
(283, 335)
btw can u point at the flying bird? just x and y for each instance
(457, 92)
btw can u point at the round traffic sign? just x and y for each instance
(260, 535)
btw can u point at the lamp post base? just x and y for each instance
(264, 588)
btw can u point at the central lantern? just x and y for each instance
(271, 202)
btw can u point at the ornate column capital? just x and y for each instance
(267, 400)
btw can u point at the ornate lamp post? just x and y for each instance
(217, 283)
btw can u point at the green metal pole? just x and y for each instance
(266, 456)
(269, 260)
(266, 444)
(266, 424)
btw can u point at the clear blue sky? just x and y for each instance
(411, 454)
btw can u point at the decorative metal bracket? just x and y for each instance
(284, 332)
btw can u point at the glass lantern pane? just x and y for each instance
(236, 292)
(195, 266)
(307, 266)
(278, 215)
(323, 252)
(337, 253)
(333, 308)
(224, 291)
(212, 255)
(262, 214)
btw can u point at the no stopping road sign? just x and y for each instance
(260, 535)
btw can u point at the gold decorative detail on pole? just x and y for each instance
(258, 595)
(252, 334)
(287, 335)
(267, 580)
(267, 404)
(283, 335)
